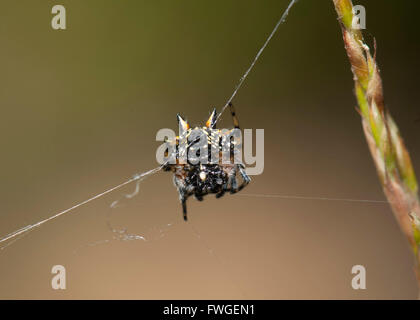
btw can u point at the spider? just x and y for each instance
(200, 179)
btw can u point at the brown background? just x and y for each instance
(80, 111)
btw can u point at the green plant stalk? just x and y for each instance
(386, 145)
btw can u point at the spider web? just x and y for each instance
(160, 230)
(122, 233)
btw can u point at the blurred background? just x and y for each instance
(80, 111)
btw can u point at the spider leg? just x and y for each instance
(183, 200)
(220, 193)
(183, 195)
(245, 178)
(223, 190)
(234, 117)
(184, 208)
(233, 182)
(234, 185)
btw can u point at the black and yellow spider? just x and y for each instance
(200, 179)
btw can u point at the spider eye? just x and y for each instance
(203, 175)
